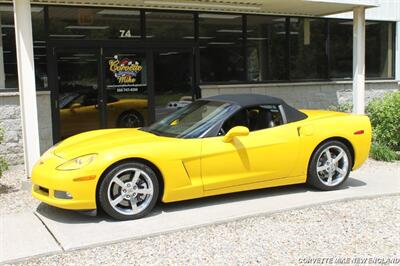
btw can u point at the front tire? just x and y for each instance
(330, 165)
(129, 191)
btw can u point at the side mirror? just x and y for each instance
(236, 132)
(74, 106)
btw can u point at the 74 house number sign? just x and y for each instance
(125, 34)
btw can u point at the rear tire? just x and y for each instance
(129, 191)
(330, 165)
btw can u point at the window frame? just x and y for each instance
(327, 77)
(195, 44)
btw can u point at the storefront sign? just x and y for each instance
(125, 70)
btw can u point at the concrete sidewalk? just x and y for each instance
(52, 230)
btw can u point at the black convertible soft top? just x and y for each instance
(248, 100)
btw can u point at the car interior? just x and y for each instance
(254, 118)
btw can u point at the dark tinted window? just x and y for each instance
(170, 25)
(93, 23)
(266, 48)
(9, 77)
(307, 48)
(341, 48)
(379, 49)
(221, 47)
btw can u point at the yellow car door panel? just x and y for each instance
(262, 155)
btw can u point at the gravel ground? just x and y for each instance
(368, 228)
(15, 195)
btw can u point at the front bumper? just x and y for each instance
(46, 180)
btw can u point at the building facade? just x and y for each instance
(105, 65)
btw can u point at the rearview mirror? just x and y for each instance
(236, 132)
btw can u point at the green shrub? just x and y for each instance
(382, 153)
(385, 119)
(3, 163)
(344, 107)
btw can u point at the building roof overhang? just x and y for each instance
(312, 8)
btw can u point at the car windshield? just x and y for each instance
(193, 120)
(67, 98)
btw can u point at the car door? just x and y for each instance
(265, 154)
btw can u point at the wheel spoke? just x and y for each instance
(329, 180)
(328, 155)
(338, 157)
(119, 182)
(340, 170)
(145, 191)
(117, 200)
(322, 168)
(135, 177)
(134, 206)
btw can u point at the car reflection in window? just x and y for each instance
(79, 112)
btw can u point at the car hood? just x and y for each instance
(98, 141)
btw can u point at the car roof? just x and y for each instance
(246, 100)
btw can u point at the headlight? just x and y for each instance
(77, 163)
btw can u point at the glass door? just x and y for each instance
(126, 88)
(173, 80)
(117, 87)
(77, 95)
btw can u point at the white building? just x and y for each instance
(73, 66)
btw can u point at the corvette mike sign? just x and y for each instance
(125, 70)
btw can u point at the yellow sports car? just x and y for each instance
(215, 145)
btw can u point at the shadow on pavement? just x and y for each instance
(78, 217)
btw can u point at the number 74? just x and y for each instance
(125, 34)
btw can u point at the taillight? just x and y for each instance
(359, 132)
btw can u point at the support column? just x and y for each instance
(26, 82)
(359, 60)
(397, 53)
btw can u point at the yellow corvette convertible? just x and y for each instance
(215, 145)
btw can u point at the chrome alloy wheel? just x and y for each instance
(130, 191)
(332, 166)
